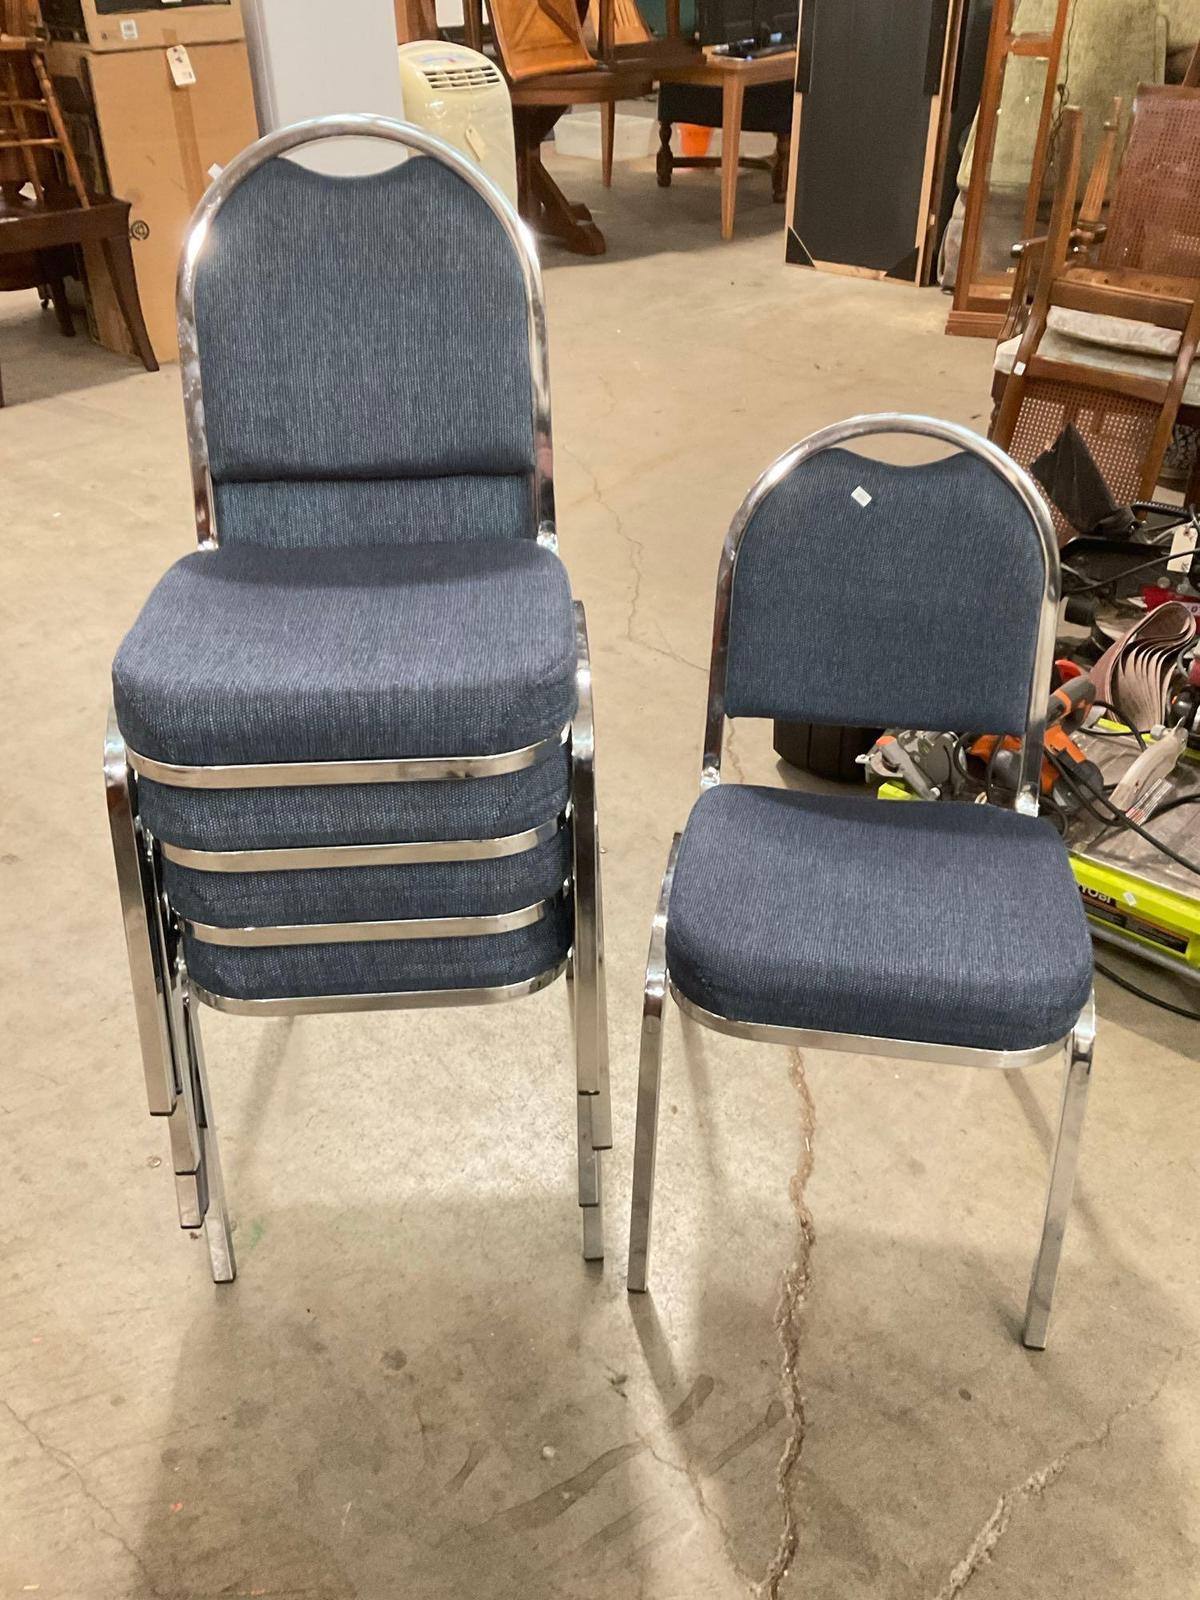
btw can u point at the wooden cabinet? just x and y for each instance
(153, 142)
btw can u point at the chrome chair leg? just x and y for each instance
(1062, 1178)
(591, 1023)
(594, 1117)
(602, 1111)
(199, 1182)
(591, 1181)
(217, 1231)
(591, 1198)
(135, 884)
(586, 982)
(164, 1055)
(589, 1156)
(645, 1139)
(593, 1224)
(183, 1125)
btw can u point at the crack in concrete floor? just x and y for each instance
(982, 1547)
(793, 1293)
(637, 550)
(110, 1528)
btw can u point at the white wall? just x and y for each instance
(311, 59)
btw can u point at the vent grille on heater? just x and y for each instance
(472, 77)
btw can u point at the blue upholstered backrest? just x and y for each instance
(918, 608)
(365, 360)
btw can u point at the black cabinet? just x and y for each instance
(883, 93)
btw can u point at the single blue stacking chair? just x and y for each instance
(350, 762)
(856, 592)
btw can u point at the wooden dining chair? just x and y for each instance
(549, 68)
(630, 42)
(415, 19)
(1147, 275)
(687, 93)
(1089, 228)
(1153, 223)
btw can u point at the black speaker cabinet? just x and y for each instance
(883, 94)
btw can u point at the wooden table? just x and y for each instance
(538, 104)
(48, 235)
(733, 76)
(544, 82)
(40, 237)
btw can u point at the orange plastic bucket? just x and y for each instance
(693, 139)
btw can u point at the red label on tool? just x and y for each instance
(1159, 597)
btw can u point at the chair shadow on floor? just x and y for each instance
(39, 364)
(434, 1396)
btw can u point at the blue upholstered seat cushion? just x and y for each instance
(371, 894)
(251, 655)
(363, 813)
(951, 924)
(376, 967)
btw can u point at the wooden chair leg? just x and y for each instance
(119, 259)
(1165, 426)
(664, 163)
(608, 139)
(62, 307)
(521, 134)
(1054, 257)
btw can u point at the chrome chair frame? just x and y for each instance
(166, 1000)
(1078, 1044)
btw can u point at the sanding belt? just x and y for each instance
(1134, 673)
(194, 180)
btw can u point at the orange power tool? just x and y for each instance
(1069, 705)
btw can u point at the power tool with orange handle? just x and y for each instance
(1069, 705)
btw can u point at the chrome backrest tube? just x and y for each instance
(359, 126)
(964, 439)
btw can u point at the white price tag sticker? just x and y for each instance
(128, 28)
(181, 67)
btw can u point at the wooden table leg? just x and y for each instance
(779, 167)
(119, 259)
(542, 203)
(732, 96)
(473, 24)
(664, 163)
(62, 308)
(523, 137)
(608, 139)
(568, 222)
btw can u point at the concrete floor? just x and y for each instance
(416, 1388)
